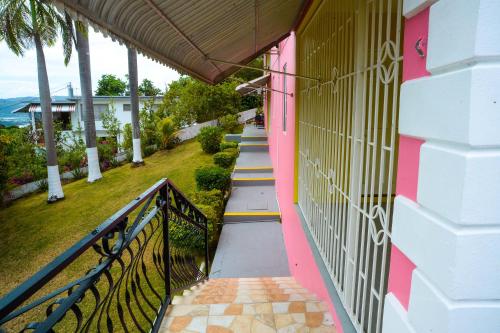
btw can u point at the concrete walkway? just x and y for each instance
(251, 242)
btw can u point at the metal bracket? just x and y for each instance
(265, 70)
(419, 47)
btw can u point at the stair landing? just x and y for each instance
(250, 305)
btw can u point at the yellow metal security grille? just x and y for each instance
(347, 144)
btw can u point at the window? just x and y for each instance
(98, 109)
(284, 98)
(127, 107)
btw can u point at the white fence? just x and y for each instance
(192, 131)
(184, 134)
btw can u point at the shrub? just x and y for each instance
(214, 223)
(43, 185)
(224, 159)
(210, 138)
(167, 131)
(106, 154)
(213, 198)
(186, 238)
(233, 151)
(212, 177)
(229, 122)
(149, 150)
(127, 137)
(228, 144)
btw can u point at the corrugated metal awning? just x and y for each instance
(55, 108)
(187, 34)
(255, 84)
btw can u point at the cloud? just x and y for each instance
(18, 75)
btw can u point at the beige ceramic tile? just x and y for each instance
(187, 324)
(188, 310)
(242, 324)
(257, 308)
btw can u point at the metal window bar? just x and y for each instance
(347, 145)
(122, 275)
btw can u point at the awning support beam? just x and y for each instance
(265, 70)
(256, 86)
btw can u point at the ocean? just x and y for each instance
(7, 118)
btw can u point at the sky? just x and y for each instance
(18, 75)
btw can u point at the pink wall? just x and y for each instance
(401, 267)
(282, 149)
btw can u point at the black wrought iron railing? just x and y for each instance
(122, 276)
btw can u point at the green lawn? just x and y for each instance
(33, 232)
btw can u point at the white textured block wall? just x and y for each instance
(460, 184)
(395, 317)
(452, 233)
(432, 311)
(461, 106)
(461, 262)
(462, 33)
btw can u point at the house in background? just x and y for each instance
(69, 110)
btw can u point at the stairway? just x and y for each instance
(253, 196)
(253, 305)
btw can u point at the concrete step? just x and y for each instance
(253, 159)
(252, 204)
(256, 169)
(252, 181)
(253, 138)
(249, 217)
(233, 138)
(251, 146)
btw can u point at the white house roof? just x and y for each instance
(189, 35)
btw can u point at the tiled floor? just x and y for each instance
(253, 305)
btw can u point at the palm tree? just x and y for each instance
(82, 47)
(28, 23)
(134, 101)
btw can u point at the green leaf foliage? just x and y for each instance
(210, 138)
(110, 85)
(147, 88)
(224, 159)
(188, 100)
(229, 123)
(213, 198)
(233, 151)
(212, 177)
(228, 144)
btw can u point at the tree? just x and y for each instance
(110, 85)
(134, 107)
(147, 88)
(82, 46)
(188, 100)
(24, 24)
(246, 74)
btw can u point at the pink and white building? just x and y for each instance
(386, 154)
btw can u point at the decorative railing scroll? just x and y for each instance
(119, 278)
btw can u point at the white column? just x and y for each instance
(452, 233)
(94, 171)
(137, 158)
